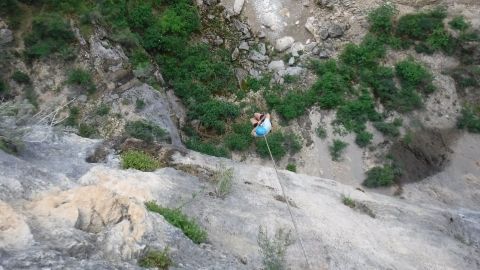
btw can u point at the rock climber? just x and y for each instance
(261, 124)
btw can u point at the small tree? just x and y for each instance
(274, 249)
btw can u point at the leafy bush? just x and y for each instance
(241, 138)
(355, 113)
(72, 118)
(3, 87)
(207, 148)
(459, 23)
(348, 201)
(83, 79)
(103, 109)
(379, 176)
(276, 142)
(469, 120)
(156, 259)
(291, 167)
(273, 249)
(388, 129)
(50, 34)
(140, 16)
(337, 149)
(139, 104)
(321, 132)
(178, 219)
(365, 55)
(381, 20)
(255, 84)
(146, 131)
(414, 75)
(21, 77)
(292, 105)
(139, 160)
(86, 131)
(213, 113)
(293, 142)
(441, 40)
(31, 95)
(363, 138)
(421, 25)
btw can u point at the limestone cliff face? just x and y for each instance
(62, 207)
(96, 219)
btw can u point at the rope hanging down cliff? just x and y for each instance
(288, 206)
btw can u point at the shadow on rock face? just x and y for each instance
(425, 153)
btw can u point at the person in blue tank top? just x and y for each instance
(261, 124)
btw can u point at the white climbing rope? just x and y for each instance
(288, 206)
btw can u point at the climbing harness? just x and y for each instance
(288, 206)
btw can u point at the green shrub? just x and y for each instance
(139, 104)
(379, 176)
(212, 114)
(348, 201)
(83, 79)
(207, 148)
(388, 129)
(337, 149)
(363, 138)
(290, 79)
(459, 23)
(50, 34)
(330, 90)
(255, 84)
(140, 16)
(291, 167)
(469, 120)
(293, 105)
(421, 25)
(10, 10)
(146, 131)
(139, 160)
(31, 95)
(365, 55)
(381, 20)
(241, 138)
(441, 40)
(292, 142)
(3, 87)
(21, 77)
(178, 219)
(276, 142)
(86, 131)
(414, 75)
(156, 259)
(321, 132)
(72, 118)
(274, 249)
(355, 113)
(103, 109)
(407, 100)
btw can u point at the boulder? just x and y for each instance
(284, 43)
(238, 6)
(244, 46)
(235, 54)
(257, 57)
(335, 30)
(276, 65)
(14, 231)
(6, 36)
